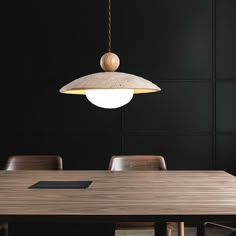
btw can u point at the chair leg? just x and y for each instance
(168, 232)
(180, 228)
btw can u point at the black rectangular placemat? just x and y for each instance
(61, 184)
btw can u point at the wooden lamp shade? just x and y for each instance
(110, 80)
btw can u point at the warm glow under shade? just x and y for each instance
(109, 98)
(109, 89)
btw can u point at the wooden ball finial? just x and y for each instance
(109, 62)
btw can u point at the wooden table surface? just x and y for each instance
(120, 196)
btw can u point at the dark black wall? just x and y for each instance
(186, 47)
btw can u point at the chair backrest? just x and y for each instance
(34, 162)
(137, 162)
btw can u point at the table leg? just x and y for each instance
(180, 228)
(160, 229)
(201, 230)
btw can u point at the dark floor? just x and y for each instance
(210, 231)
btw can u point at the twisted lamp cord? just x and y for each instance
(109, 25)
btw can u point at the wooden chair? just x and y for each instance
(135, 163)
(30, 162)
(34, 162)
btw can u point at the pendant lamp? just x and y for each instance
(109, 89)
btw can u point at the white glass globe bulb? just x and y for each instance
(109, 98)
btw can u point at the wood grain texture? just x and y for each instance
(120, 196)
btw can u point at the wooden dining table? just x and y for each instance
(125, 196)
